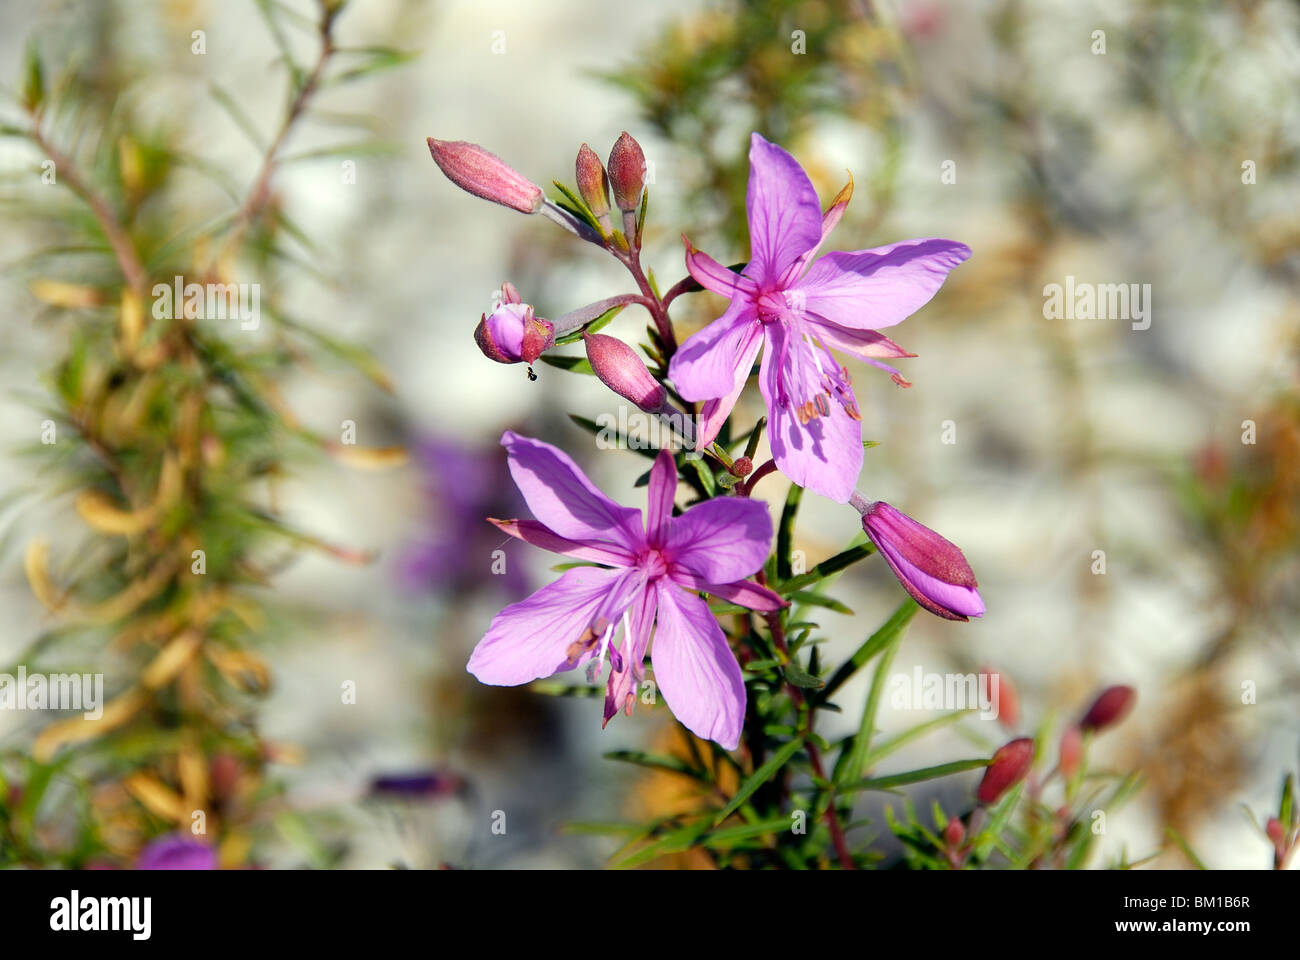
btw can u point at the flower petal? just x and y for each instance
(707, 364)
(825, 454)
(746, 593)
(785, 219)
(721, 540)
(867, 345)
(870, 289)
(695, 668)
(550, 631)
(713, 276)
(530, 531)
(562, 498)
(662, 487)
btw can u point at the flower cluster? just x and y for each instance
(639, 577)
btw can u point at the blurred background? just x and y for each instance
(1115, 143)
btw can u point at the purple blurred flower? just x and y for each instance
(801, 310)
(427, 783)
(176, 852)
(651, 574)
(464, 484)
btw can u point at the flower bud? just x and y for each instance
(1110, 707)
(1071, 757)
(954, 834)
(512, 334)
(485, 175)
(627, 172)
(930, 568)
(593, 183)
(620, 369)
(742, 466)
(1276, 832)
(1010, 765)
(1008, 698)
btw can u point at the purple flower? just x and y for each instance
(650, 574)
(933, 570)
(463, 485)
(176, 852)
(801, 310)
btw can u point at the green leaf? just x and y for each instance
(800, 677)
(33, 80)
(907, 736)
(808, 598)
(1183, 845)
(891, 628)
(572, 364)
(852, 761)
(785, 530)
(574, 204)
(917, 776)
(759, 777)
(827, 567)
(575, 335)
(657, 761)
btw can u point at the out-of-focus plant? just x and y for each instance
(165, 426)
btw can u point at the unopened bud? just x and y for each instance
(1008, 699)
(627, 172)
(742, 466)
(1110, 707)
(1010, 765)
(593, 183)
(1071, 752)
(933, 570)
(485, 175)
(1276, 832)
(620, 369)
(512, 334)
(954, 834)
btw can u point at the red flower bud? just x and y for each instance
(627, 172)
(954, 834)
(742, 466)
(1110, 707)
(593, 184)
(1071, 751)
(485, 175)
(1276, 832)
(1010, 765)
(620, 369)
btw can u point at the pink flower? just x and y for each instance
(801, 310)
(649, 574)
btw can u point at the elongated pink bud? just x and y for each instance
(485, 175)
(954, 833)
(1111, 706)
(1071, 752)
(513, 335)
(933, 570)
(1010, 765)
(593, 184)
(627, 171)
(620, 369)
